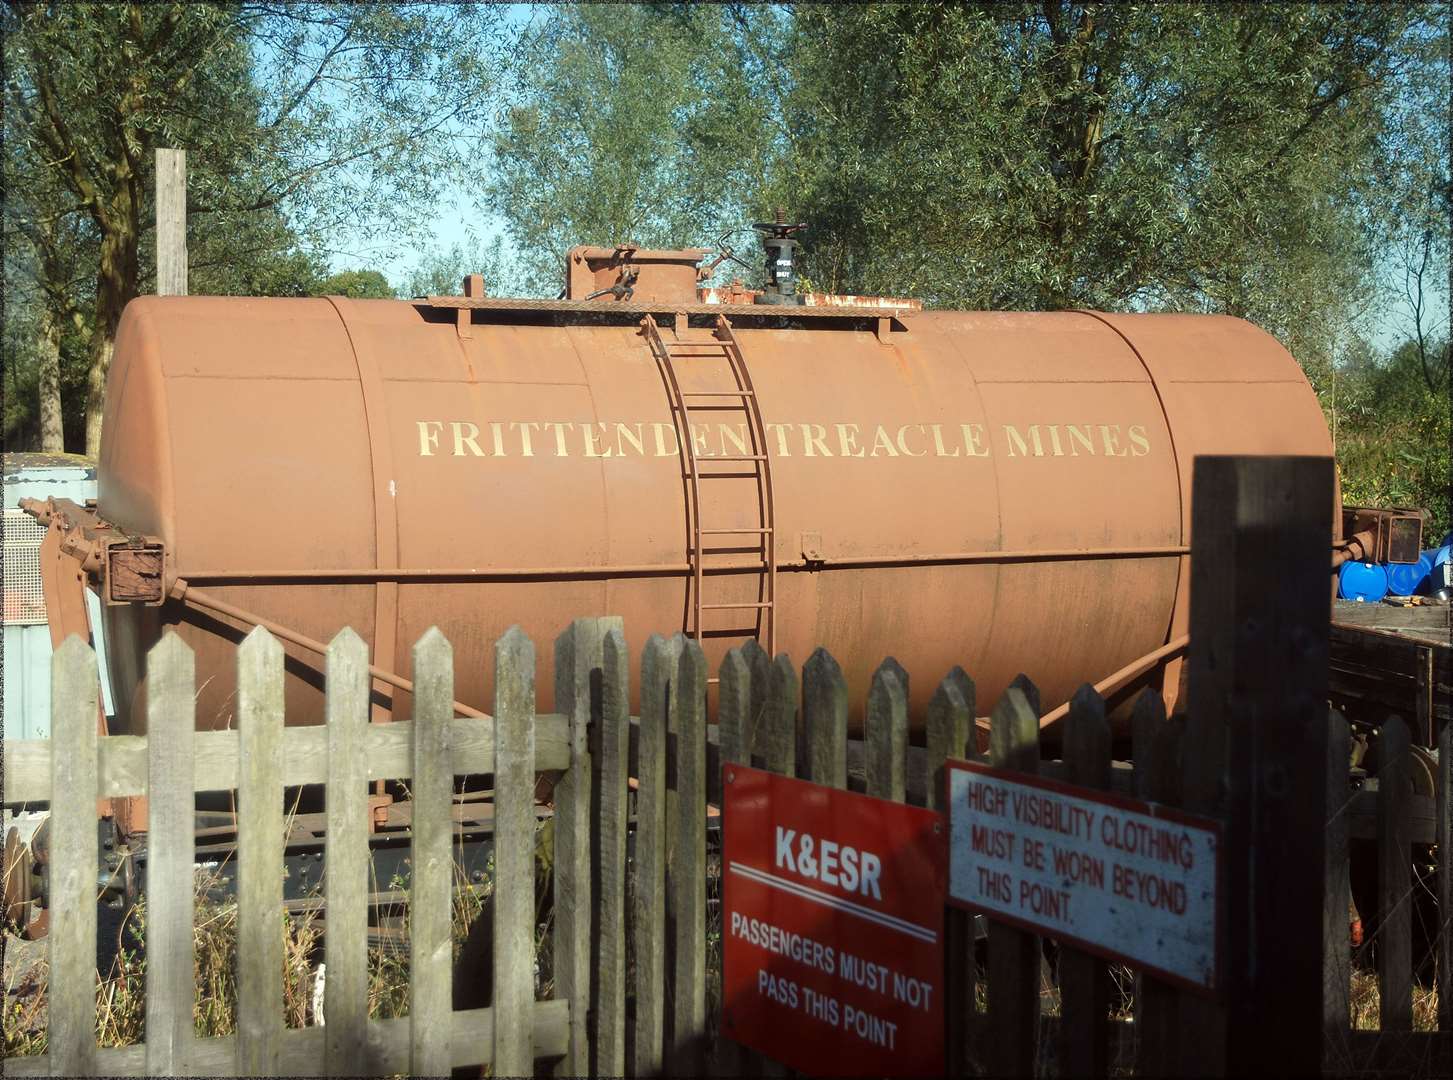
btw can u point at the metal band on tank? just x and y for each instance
(1170, 431)
(1180, 607)
(385, 510)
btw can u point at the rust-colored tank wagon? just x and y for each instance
(1002, 491)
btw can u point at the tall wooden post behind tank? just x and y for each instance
(171, 222)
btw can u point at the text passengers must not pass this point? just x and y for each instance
(833, 912)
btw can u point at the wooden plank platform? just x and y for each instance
(1389, 661)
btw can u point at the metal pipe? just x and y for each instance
(370, 574)
(182, 590)
(1113, 682)
(1046, 554)
(1355, 548)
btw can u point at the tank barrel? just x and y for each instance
(1002, 491)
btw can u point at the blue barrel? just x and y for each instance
(1404, 579)
(1438, 557)
(1362, 581)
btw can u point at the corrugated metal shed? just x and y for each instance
(26, 637)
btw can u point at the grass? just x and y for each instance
(121, 994)
(1366, 1004)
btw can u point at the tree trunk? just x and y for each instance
(52, 433)
(103, 343)
(115, 285)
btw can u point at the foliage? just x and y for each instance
(298, 119)
(631, 123)
(49, 265)
(1393, 433)
(121, 996)
(441, 272)
(1274, 162)
(358, 284)
(1232, 158)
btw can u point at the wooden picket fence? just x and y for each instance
(633, 929)
(256, 761)
(632, 937)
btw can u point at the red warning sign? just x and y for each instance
(832, 927)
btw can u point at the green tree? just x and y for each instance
(1393, 430)
(308, 117)
(49, 252)
(630, 123)
(358, 284)
(441, 272)
(1235, 158)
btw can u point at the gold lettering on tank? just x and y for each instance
(630, 434)
(627, 440)
(847, 441)
(429, 440)
(559, 430)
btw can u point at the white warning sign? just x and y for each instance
(1127, 879)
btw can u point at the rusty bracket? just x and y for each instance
(134, 572)
(81, 531)
(126, 568)
(811, 545)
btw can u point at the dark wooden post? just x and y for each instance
(171, 222)
(1258, 666)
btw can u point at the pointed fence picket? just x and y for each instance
(259, 854)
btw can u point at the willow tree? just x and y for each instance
(318, 118)
(1228, 157)
(636, 123)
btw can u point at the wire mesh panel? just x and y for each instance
(24, 600)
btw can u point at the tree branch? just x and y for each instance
(307, 87)
(66, 149)
(296, 180)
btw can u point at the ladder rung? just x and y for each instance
(734, 532)
(733, 457)
(725, 607)
(720, 393)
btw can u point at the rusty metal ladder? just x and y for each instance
(742, 396)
